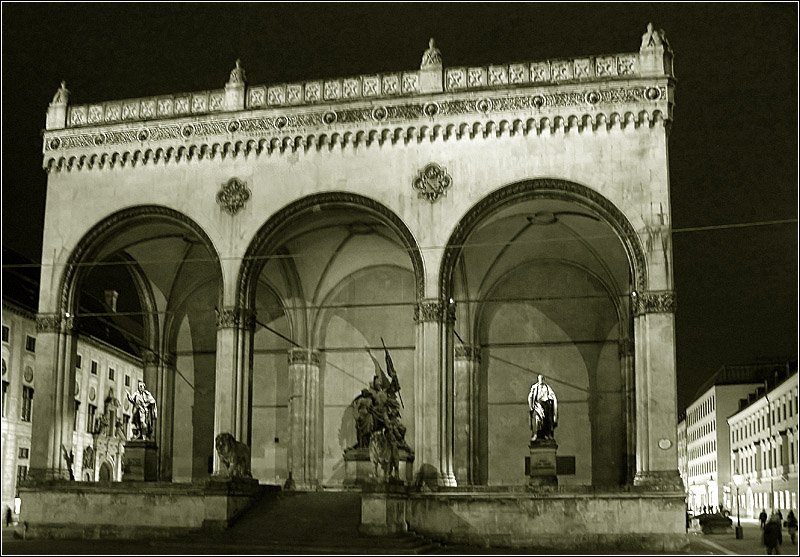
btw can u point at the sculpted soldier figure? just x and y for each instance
(543, 406)
(145, 412)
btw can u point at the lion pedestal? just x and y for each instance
(140, 461)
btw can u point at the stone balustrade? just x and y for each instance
(364, 87)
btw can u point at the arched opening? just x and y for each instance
(146, 281)
(541, 273)
(328, 277)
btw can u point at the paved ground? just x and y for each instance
(271, 530)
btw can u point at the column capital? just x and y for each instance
(234, 317)
(149, 357)
(433, 309)
(54, 323)
(303, 356)
(468, 352)
(653, 301)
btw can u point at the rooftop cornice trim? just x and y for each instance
(416, 119)
(378, 86)
(19, 310)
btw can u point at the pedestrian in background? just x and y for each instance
(762, 518)
(773, 537)
(791, 524)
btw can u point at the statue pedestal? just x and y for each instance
(543, 463)
(141, 461)
(359, 470)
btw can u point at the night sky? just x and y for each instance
(733, 144)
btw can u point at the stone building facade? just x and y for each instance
(102, 375)
(488, 223)
(764, 451)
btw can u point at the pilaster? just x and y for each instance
(465, 365)
(53, 396)
(304, 450)
(656, 405)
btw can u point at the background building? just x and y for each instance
(763, 457)
(103, 372)
(708, 443)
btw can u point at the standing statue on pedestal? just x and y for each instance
(543, 406)
(145, 412)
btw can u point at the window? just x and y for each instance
(27, 404)
(92, 410)
(78, 362)
(77, 413)
(23, 452)
(5, 333)
(125, 421)
(22, 473)
(111, 373)
(127, 380)
(94, 367)
(30, 343)
(5, 398)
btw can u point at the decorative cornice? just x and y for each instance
(657, 301)
(303, 356)
(212, 136)
(467, 352)
(428, 311)
(53, 323)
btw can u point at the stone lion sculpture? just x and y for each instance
(234, 454)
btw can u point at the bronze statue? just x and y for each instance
(543, 406)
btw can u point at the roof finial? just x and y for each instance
(654, 37)
(237, 73)
(62, 94)
(432, 56)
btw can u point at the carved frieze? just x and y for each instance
(303, 356)
(233, 196)
(53, 323)
(432, 182)
(658, 301)
(291, 122)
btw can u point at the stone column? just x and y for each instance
(304, 451)
(230, 379)
(656, 390)
(466, 362)
(166, 415)
(626, 365)
(430, 418)
(53, 400)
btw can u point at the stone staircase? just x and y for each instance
(324, 522)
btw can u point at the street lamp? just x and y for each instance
(737, 481)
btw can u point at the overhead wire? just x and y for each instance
(314, 253)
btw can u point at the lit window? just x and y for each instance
(27, 404)
(30, 343)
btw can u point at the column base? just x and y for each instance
(661, 480)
